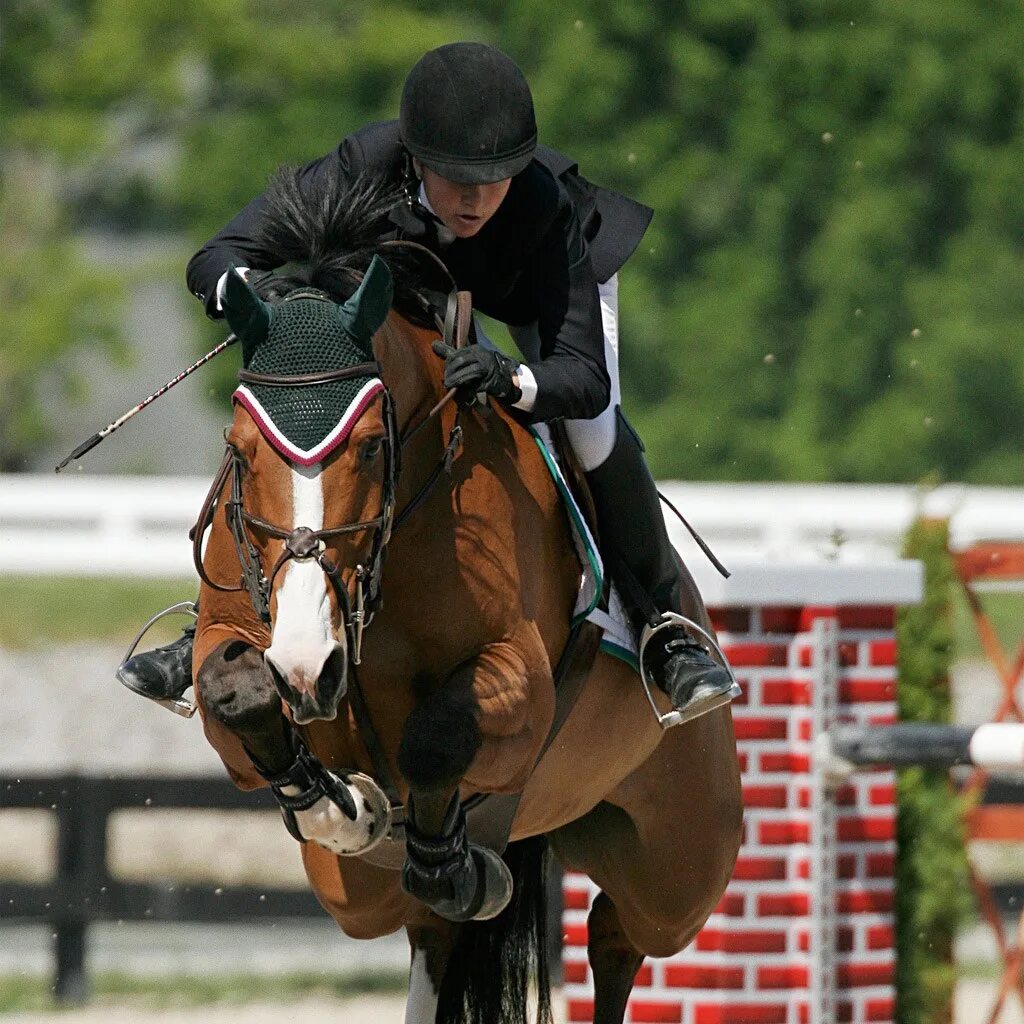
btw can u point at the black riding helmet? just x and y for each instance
(467, 114)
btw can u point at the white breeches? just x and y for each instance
(592, 440)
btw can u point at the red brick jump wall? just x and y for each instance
(755, 961)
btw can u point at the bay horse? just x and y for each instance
(366, 689)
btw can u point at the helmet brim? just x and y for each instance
(484, 173)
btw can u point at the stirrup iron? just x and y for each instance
(669, 619)
(181, 706)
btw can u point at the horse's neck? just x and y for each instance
(414, 375)
(492, 534)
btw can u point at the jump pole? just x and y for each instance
(995, 747)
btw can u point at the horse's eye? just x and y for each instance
(370, 449)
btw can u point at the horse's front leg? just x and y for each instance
(483, 726)
(242, 712)
(244, 720)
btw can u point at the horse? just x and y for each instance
(390, 653)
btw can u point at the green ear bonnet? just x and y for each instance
(305, 423)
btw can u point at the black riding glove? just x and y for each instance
(474, 368)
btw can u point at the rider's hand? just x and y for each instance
(474, 368)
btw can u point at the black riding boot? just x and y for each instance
(648, 573)
(164, 673)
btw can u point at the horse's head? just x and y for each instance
(313, 478)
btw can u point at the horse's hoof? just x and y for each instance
(376, 803)
(327, 824)
(481, 891)
(497, 886)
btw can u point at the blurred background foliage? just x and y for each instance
(830, 290)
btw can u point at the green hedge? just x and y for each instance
(932, 894)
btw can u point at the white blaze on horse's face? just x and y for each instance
(304, 650)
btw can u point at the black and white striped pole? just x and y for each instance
(843, 749)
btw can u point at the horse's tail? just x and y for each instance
(490, 968)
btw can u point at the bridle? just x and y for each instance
(305, 544)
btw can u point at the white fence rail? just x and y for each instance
(105, 525)
(98, 526)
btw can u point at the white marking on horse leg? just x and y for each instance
(421, 1006)
(303, 638)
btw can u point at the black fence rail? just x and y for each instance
(82, 892)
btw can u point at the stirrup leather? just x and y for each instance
(669, 620)
(180, 706)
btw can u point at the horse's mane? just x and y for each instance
(325, 227)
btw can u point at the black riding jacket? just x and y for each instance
(539, 258)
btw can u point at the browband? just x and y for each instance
(304, 379)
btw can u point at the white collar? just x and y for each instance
(445, 235)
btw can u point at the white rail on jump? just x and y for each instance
(106, 525)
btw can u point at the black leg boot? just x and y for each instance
(646, 569)
(164, 673)
(457, 879)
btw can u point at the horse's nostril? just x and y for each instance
(312, 689)
(332, 684)
(279, 681)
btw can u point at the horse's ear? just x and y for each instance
(246, 313)
(368, 307)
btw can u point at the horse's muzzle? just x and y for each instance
(312, 688)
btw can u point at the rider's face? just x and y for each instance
(463, 209)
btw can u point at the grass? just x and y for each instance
(979, 970)
(48, 611)
(37, 612)
(1006, 610)
(20, 994)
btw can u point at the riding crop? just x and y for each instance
(87, 446)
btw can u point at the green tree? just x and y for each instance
(829, 290)
(57, 307)
(172, 116)
(932, 893)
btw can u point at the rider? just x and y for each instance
(537, 245)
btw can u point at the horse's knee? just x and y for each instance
(236, 689)
(439, 740)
